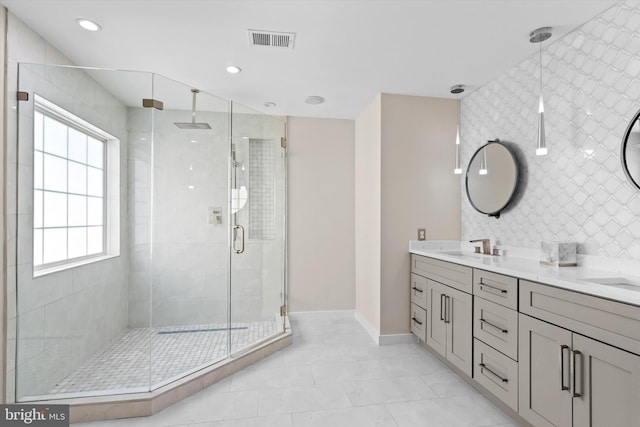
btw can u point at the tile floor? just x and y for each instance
(333, 376)
(170, 351)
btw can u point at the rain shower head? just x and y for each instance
(192, 124)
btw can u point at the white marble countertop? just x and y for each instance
(526, 267)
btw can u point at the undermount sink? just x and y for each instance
(461, 254)
(616, 282)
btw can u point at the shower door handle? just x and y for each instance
(235, 238)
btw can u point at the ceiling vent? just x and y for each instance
(271, 39)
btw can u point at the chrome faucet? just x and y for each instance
(486, 245)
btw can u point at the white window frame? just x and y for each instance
(111, 190)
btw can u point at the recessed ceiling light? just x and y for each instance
(233, 69)
(269, 104)
(314, 100)
(88, 24)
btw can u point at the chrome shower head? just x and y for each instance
(192, 124)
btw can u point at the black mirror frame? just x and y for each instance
(623, 150)
(496, 213)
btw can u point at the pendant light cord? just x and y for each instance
(540, 50)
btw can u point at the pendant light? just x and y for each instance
(538, 36)
(457, 89)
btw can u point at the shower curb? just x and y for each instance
(145, 404)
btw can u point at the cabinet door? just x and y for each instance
(608, 384)
(436, 328)
(543, 373)
(459, 321)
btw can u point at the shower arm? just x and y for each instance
(193, 105)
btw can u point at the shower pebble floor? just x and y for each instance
(333, 375)
(125, 363)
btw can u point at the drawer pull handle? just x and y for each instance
(416, 320)
(575, 373)
(562, 349)
(504, 331)
(483, 366)
(447, 306)
(417, 289)
(502, 291)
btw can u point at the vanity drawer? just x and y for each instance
(496, 372)
(454, 275)
(608, 321)
(419, 290)
(419, 322)
(496, 325)
(495, 287)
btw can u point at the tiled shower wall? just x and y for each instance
(578, 192)
(261, 190)
(62, 318)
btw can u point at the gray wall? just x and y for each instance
(578, 192)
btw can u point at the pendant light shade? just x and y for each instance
(538, 36)
(541, 149)
(457, 89)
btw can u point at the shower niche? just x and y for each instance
(127, 275)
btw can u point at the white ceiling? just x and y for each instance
(345, 51)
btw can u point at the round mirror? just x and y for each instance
(631, 151)
(492, 177)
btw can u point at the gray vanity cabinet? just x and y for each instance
(449, 324)
(557, 357)
(567, 379)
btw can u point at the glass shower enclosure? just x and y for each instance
(150, 239)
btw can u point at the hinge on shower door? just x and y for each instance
(283, 142)
(22, 96)
(152, 103)
(283, 310)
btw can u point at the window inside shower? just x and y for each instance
(72, 187)
(186, 289)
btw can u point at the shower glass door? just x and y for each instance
(190, 249)
(257, 216)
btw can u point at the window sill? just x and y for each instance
(58, 268)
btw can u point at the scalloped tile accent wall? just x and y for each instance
(578, 192)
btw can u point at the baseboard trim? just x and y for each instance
(324, 312)
(396, 339)
(367, 327)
